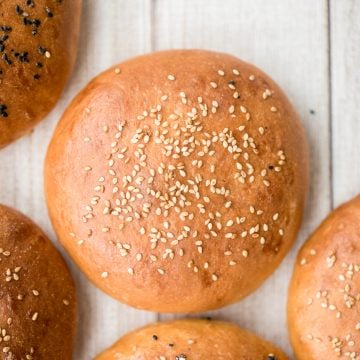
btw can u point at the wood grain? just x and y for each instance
(289, 39)
(345, 71)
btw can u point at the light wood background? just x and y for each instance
(310, 47)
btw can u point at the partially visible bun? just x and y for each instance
(181, 175)
(324, 296)
(192, 340)
(37, 294)
(38, 45)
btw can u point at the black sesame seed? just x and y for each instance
(18, 10)
(41, 50)
(36, 77)
(2, 47)
(6, 59)
(39, 64)
(27, 21)
(3, 109)
(36, 22)
(48, 12)
(171, 345)
(5, 28)
(271, 167)
(154, 337)
(30, 3)
(4, 37)
(23, 57)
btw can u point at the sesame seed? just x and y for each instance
(171, 77)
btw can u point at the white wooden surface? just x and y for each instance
(311, 48)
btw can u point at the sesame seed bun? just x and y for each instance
(38, 44)
(192, 339)
(324, 296)
(177, 180)
(37, 294)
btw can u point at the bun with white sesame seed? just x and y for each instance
(192, 339)
(177, 180)
(324, 295)
(37, 294)
(38, 44)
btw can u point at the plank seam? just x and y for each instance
(330, 107)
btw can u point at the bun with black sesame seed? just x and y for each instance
(192, 340)
(177, 180)
(37, 294)
(324, 294)
(38, 44)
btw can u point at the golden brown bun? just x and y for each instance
(37, 294)
(154, 206)
(38, 43)
(192, 340)
(324, 296)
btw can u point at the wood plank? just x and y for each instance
(345, 60)
(111, 31)
(287, 39)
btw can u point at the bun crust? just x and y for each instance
(324, 296)
(180, 175)
(38, 44)
(192, 339)
(37, 294)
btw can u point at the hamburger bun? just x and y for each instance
(37, 294)
(38, 44)
(192, 340)
(176, 180)
(324, 295)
